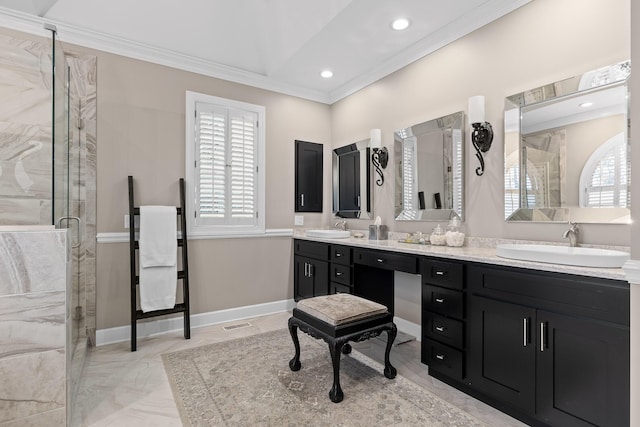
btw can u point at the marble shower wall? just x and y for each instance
(34, 286)
(26, 175)
(25, 131)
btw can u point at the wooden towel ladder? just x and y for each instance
(183, 274)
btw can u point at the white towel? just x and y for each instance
(158, 257)
(158, 236)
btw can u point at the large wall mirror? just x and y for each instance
(352, 178)
(567, 150)
(430, 170)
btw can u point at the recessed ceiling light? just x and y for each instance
(586, 104)
(327, 74)
(400, 24)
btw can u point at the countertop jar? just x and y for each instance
(437, 237)
(454, 235)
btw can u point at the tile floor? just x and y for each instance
(123, 388)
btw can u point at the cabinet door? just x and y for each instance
(308, 177)
(501, 351)
(583, 372)
(311, 277)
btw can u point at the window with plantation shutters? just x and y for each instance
(224, 152)
(604, 181)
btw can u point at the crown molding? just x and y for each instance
(451, 32)
(99, 41)
(474, 19)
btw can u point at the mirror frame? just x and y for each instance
(366, 189)
(616, 75)
(454, 123)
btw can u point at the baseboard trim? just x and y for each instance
(163, 326)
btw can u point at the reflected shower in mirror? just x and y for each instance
(352, 177)
(430, 170)
(566, 150)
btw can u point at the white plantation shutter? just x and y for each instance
(605, 180)
(226, 141)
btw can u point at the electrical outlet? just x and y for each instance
(298, 220)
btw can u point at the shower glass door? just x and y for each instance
(66, 211)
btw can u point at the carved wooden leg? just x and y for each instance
(294, 363)
(336, 394)
(389, 371)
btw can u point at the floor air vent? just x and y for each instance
(237, 326)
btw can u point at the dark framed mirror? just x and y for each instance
(352, 176)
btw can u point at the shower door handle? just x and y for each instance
(78, 221)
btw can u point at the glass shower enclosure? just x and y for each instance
(66, 208)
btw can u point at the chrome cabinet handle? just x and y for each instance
(306, 269)
(302, 199)
(338, 274)
(525, 332)
(439, 273)
(338, 254)
(542, 336)
(440, 356)
(440, 328)
(380, 260)
(310, 270)
(439, 300)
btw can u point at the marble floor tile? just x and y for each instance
(124, 388)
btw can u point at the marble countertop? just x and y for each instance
(483, 252)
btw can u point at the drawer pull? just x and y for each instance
(338, 274)
(440, 356)
(439, 300)
(440, 328)
(380, 260)
(440, 273)
(338, 254)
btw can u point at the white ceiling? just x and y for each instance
(280, 45)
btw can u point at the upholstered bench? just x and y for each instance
(338, 319)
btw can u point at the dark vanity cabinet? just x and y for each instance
(311, 269)
(553, 348)
(340, 270)
(443, 317)
(321, 269)
(308, 177)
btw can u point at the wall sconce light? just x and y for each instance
(380, 156)
(482, 134)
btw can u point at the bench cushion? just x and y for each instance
(338, 309)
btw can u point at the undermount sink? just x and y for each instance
(329, 234)
(582, 257)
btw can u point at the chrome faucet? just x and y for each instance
(572, 234)
(342, 224)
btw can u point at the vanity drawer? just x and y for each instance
(339, 288)
(442, 358)
(340, 273)
(442, 329)
(341, 254)
(442, 273)
(385, 260)
(311, 249)
(442, 301)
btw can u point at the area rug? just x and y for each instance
(247, 382)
